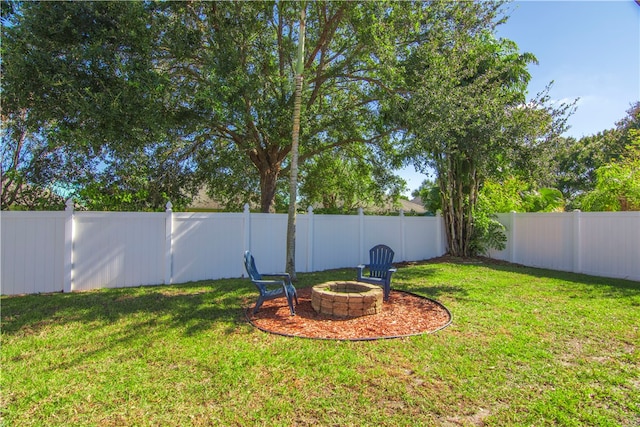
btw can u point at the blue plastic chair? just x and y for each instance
(380, 268)
(279, 282)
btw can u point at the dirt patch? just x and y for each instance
(405, 314)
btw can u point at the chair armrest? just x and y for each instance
(269, 282)
(360, 271)
(286, 278)
(272, 285)
(286, 275)
(390, 273)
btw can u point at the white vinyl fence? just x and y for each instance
(68, 251)
(72, 251)
(596, 243)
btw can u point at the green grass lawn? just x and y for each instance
(526, 347)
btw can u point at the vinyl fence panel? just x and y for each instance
(545, 240)
(609, 247)
(386, 230)
(32, 252)
(423, 238)
(303, 261)
(596, 243)
(336, 241)
(268, 242)
(207, 246)
(114, 249)
(56, 251)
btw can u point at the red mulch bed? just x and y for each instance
(405, 314)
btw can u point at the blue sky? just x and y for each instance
(589, 49)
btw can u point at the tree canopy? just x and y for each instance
(575, 163)
(617, 183)
(153, 99)
(468, 118)
(132, 104)
(159, 96)
(82, 78)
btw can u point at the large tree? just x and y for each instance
(159, 95)
(342, 181)
(575, 162)
(468, 117)
(29, 167)
(429, 194)
(80, 82)
(208, 86)
(617, 183)
(239, 73)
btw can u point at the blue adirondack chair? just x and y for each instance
(380, 268)
(276, 286)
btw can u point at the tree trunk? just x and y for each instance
(295, 135)
(268, 183)
(459, 198)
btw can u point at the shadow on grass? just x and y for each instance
(604, 286)
(191, 307)
(428, 279)
(422, 279)
(196, 307)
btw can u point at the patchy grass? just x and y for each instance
(526, 347)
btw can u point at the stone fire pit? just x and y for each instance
(346, 299)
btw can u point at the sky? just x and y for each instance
(589, 49)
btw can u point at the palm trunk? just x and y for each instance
(295, 135)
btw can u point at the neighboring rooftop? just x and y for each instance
(202, 202)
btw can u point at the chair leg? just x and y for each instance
(292, 295)
(258, 305)
(290, 302)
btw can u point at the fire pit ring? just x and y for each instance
(346, 299)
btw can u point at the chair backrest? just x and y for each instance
(250, 266)
(380, 260)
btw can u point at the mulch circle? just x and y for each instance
(405, 314)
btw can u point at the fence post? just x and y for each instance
(439, 227)
(361, 237)
(67, 285)
(310, 235)
(247, 227)
(168, 244)
(511, 237)
(403, 236)
(577, 249)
